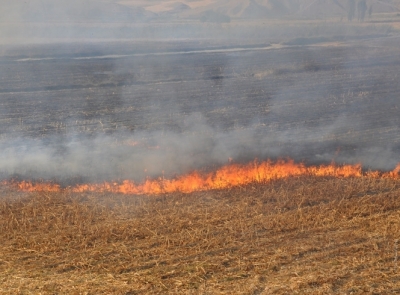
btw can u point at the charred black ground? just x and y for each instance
(199, 103)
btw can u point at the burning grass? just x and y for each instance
(227, 176)
(304, 234)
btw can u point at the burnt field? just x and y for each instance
(307, 102)
(277, 87)
(105, 111)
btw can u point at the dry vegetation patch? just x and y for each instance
(294, 236)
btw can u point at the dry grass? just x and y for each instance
(294, 236)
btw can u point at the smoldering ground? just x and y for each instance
(314, 105)
(137, 117)
(108, 110)
(144, 154)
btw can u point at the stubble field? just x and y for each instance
(303, 235)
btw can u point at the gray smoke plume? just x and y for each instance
(159, 153)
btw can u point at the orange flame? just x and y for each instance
(227, 176)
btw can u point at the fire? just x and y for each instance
(31, 187)
(227, 176)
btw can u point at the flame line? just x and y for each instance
(227, 176)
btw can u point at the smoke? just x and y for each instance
(124, 155)
(127, 156)
(99, 91)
